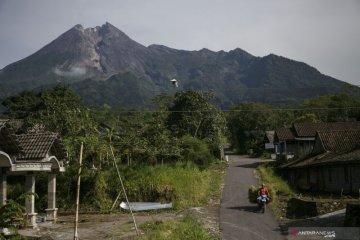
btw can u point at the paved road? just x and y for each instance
(239, 219)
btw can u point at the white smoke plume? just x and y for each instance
(73, 72)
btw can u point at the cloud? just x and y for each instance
(73, 72)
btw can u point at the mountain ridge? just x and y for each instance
(82, 56)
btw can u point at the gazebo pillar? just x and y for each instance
(3, 186)
(51, 211)
(30, 200)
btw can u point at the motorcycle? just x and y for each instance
(263, 200)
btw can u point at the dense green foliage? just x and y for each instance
(160, 151)
(153, 155)
(192, 114)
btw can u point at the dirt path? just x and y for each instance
(95, 226)
(239, 219)
(119, 225)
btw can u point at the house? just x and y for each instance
(333, 166)
(269, 140)
(298, 140)
(28, 154)
(285, 144)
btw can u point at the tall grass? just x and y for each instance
(183, 185)
(187, 228)
(273, 181)
(276, 185)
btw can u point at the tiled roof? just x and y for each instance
(269, 136)
(339, 141)
(37, 146)
(282, 134)
(338, 147)
(326, 159)
(310, 129)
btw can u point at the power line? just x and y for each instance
(238, 110)
(221, 110)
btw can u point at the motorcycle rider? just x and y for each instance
(263, 191)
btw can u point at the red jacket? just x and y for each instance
(263, 191)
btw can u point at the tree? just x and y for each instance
(307, 117)
(339, 107)
(247, 124)
(196, 151)
(59, 109)
(193, 114)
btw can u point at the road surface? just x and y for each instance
(240, 219)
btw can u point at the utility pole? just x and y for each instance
(76, 237)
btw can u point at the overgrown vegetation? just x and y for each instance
(11, 214)
(170, 148)
(184, 228)
(273, 180)
(276, 185)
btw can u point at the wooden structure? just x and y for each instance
(27, 154)
(333, 166)
(298, 141)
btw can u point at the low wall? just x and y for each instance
(352, 216)
(300, 208)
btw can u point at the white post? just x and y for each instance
(3, 186)
(30, 200)
(51, 211)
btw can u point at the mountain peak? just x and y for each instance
(110, 30)
(78, 27)
(101, 52)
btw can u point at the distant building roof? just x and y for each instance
(326, 159)
(310, 129)
(335, 147)
(339, 141)
(284, 134)
(269, 136)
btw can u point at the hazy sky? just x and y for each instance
(322, 33)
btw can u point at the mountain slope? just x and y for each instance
(105, 66)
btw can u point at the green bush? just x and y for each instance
(11, 214)
(196, 151)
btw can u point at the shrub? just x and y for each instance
(11, 214)
(196, 150)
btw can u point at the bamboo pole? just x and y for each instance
(117, 198)
(123, 188)
(76, 237)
